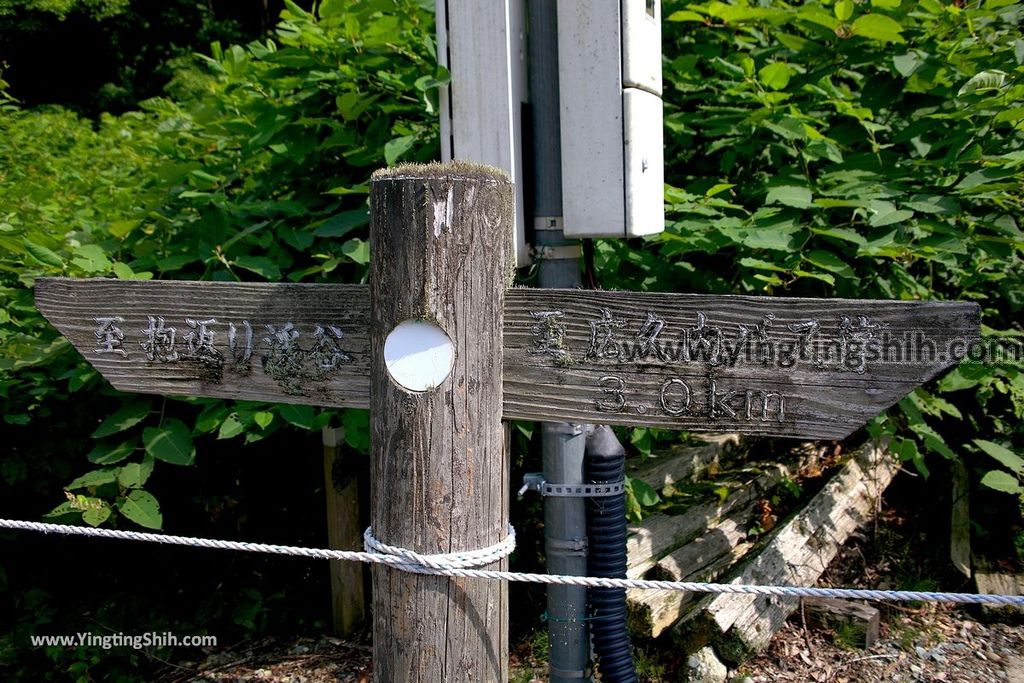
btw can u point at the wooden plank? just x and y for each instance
(796, 554)
(990, 580)
(704, 559)
(344, 532)
(675, 361)
(292, 343)
(683, 463)
(661, 533)
(858, 622)
(667, 360)
(439, 470)
(960, 519)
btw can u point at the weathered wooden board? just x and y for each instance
(796, 554)
(813, 368)
(289, 343)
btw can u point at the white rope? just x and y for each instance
(402, 562)
(459, 560)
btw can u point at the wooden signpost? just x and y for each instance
(811, 368)
(441, 244)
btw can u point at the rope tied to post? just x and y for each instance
(395, 560)
(419, 563)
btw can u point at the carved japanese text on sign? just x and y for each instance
(282, 355)
(290, 343)
(788, 367)
(753, 364)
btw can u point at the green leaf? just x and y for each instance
(718, 189)
(394, 149)
(644, 492)
(826, 260)
(960, 378)
(1003, 455)
(685, 15)
(121, 229)
(886, 213)
(142, 508)
(133, 475)
(96, 516)
(748, 262)
(261, 265)
(1002, 481)
(983, 82)
(776, 76)
(42, 254)
(844, 234)
(65, 509)
(171, 443)
(105, 453)
(263, 418)
(843, 9)
(932, 441)
(300, 416)
(231, 427)
(878, 27)
(93, 479)
(125, 417)
(342, 223)
(123, 271)
(356, 424)
(905, 449)
(92, 259)
(908, 63)
(358, 250)
(346, 190)
(797, 197)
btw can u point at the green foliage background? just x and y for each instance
(858, 149)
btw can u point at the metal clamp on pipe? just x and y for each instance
(561, 252)
(534, 481)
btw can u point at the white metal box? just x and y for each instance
(609, 55)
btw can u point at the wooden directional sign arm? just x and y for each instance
(817, 368)
(285, 343)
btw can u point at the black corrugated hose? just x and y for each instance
(605, 463)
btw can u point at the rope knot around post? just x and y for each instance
(419, 563)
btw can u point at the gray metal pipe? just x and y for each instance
(565, 522)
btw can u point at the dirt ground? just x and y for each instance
(929, 643)
(926, 644)
(917, 642)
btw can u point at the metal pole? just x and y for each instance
(565, 526)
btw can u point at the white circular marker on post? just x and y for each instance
(418, 355)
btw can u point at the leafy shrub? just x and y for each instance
(257, 171)
(852, 149)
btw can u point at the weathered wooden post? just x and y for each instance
(441, 352)
(441, 243)
(341, 488)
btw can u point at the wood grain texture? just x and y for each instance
(578, 356)
(858, 622)
(441, 242)
(293, 366)
(797, 553)
(344, 532)
(666, 360)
